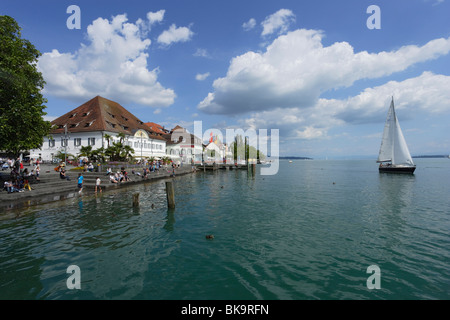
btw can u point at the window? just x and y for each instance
(88, 124)
(91, 141)
(112, 125)
(77, 142)
(64, 142)
(51, 143)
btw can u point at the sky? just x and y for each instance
(321, 72)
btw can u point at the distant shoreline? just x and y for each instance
(295, 158)
(432, 156)
(415, 157)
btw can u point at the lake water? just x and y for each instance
(309, 232)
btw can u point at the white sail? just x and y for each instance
(387, 140)
(393, 145)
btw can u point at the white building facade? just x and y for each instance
(183, 146)
(91, 123)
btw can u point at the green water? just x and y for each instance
(309, 232)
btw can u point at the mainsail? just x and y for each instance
(393, 145)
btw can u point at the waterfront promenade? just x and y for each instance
(52, 188)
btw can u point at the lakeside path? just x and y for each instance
(52, 188)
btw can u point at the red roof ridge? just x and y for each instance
(100, 114)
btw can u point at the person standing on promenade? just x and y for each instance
(145, 173)
(97, 184)
(16, 165)
(80, 183)
(38, 170)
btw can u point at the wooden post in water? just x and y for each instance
(136, 200)
(170, 195)
(253, 169)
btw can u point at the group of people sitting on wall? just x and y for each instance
(20, 181)
(87, 167)
(119, 176)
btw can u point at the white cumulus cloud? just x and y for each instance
(155, 17)
(112, 64)
(296, 69)
(201, 76)
(425, 94)
(175, 34)
(249, 25)
(279, 21)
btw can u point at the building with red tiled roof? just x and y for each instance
(92, 123)
(183, 146)
(157, 128)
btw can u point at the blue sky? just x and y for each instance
(312, 69)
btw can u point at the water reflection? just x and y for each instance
(395, 212)
(170, 220)
(293, 235)
(80, 206)
(396, 190)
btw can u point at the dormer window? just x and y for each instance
(112, 125)
(88, 124)
(73, 115)
(86, 114)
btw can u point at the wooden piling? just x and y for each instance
(253, 169)
(136, 200)
(170, 195)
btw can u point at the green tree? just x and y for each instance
(119, 151)
(22, 126)
(107, 138)
(61, 156)
(121, 137)
(86, 151)
(126, 153)
(244, 151)
(99, 154)
(166, 160)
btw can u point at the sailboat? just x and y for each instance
(394, 155)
